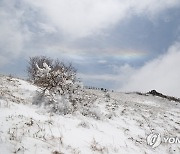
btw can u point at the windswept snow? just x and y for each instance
(121, 125)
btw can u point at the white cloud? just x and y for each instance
(162, 74)
(152, 7)
(12, 35)
(81, 18)
(102, 61)
(47, 28)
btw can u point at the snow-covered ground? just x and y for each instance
(121, 125)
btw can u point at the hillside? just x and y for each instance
(119, 125)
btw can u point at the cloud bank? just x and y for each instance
(162, 74)
(13, 35)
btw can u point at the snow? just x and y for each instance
(122, 124)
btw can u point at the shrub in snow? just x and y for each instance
(61, 91)
(57, 81)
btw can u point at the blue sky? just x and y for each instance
(113, 43)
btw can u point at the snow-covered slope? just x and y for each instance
(121, 125)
